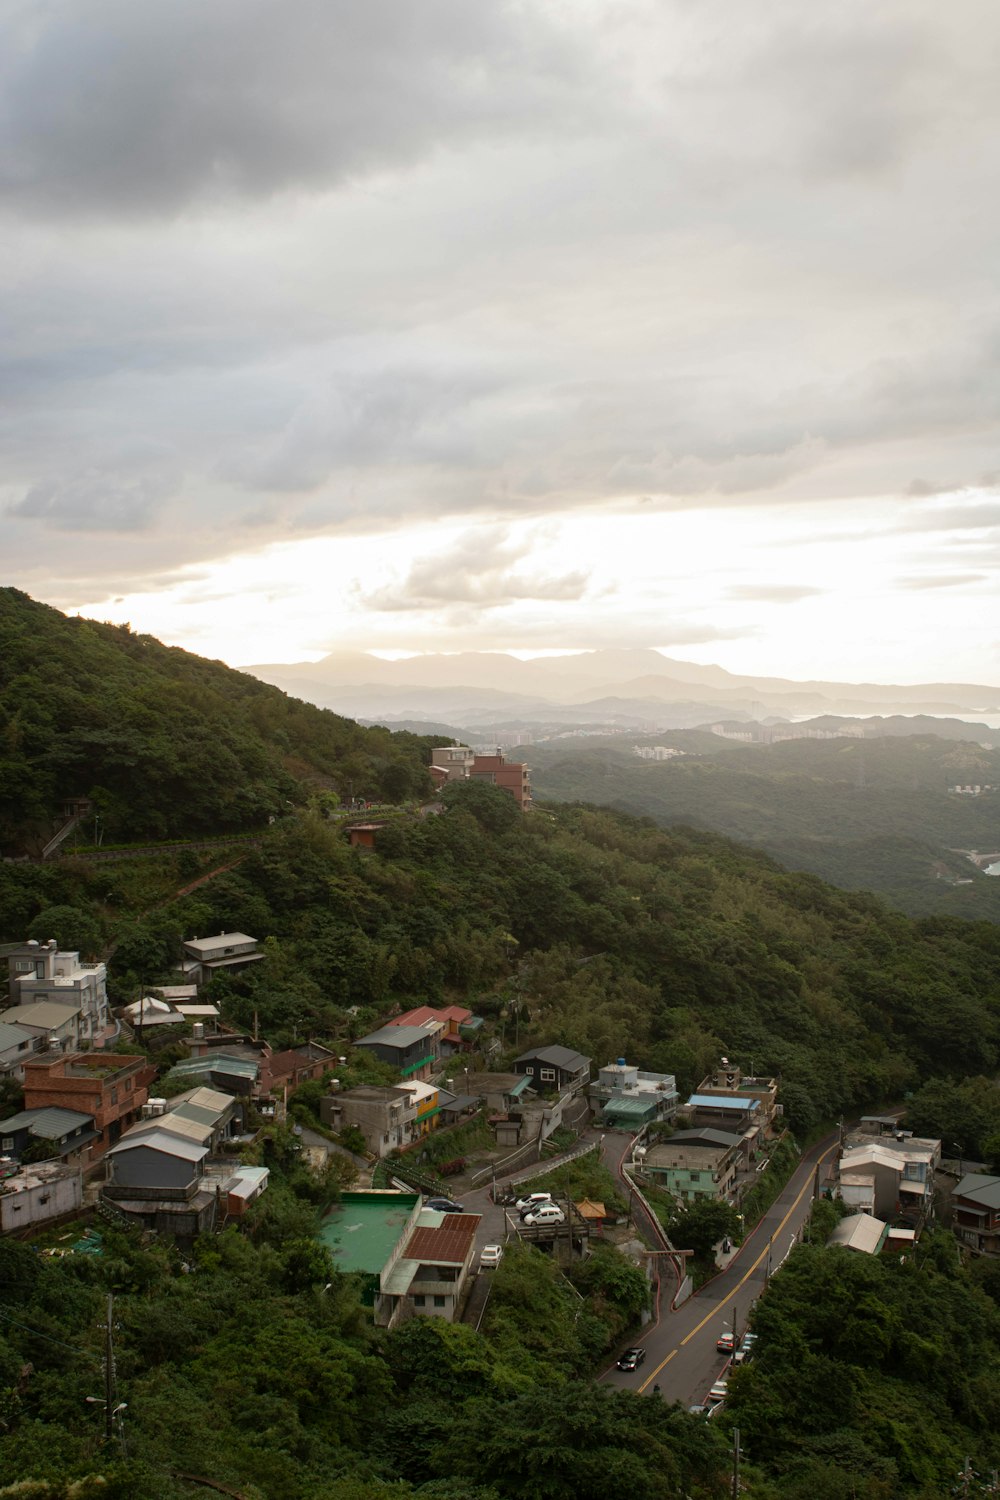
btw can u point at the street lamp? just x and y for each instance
(110, 1412)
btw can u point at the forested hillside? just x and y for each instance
(165, 744)
(578, 925)
(252, 1362)
(864, 814)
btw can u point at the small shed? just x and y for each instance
(594, 1213)
(861, 1232)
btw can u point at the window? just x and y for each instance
(8, 1143)
(547, 1075)
(419, 1300)
(438, 1301)
(529, 1068)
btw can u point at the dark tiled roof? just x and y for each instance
(559, 1057)
(448, 1244)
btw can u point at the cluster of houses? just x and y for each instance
(541, 1092)
(172, 1163)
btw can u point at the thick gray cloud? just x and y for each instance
(346, 266)
(124, 108)
(121, 492)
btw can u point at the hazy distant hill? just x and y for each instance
(166, 744)
(867, 814)
(650, 688)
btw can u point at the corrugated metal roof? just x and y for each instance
(175, 1124)
(159, 1140)
(447, 1245)
(49, 1014)
(248, 1180)
(717, 1101)
(50, 1122)
(873, 1155)
(13, 1036)
(394, 1036)
(218, 1062)
(399, 1279)
(859, 1232)
(205, 1098)
(706, 1137)
(559, 1057)
(636, 1104)
(222, 940)
(980, 1188)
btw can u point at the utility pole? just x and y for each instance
(109, 1372)
(736, 1463)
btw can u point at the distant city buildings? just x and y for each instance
(656, 752)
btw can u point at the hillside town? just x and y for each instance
(107, 1134)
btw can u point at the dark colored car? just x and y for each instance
(632, 1359)
(444, 1206)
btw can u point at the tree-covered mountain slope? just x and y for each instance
(864, 814)
(164, 743)
(574, 924)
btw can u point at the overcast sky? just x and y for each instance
(433, 324)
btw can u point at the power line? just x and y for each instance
(37, 1333)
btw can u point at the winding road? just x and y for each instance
(681, 1358)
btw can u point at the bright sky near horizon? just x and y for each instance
(519, 326)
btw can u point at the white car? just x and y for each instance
(491, 1256)
(529, 1204)
(545, 1213)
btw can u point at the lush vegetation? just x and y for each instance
(872, 1379)
(165, 744)
(871, 814)
(579, 926)
(249, 1360)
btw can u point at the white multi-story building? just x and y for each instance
(40, 972)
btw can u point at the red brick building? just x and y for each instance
(110, 1087)
(513, 775)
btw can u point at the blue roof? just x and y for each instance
(718, 1101)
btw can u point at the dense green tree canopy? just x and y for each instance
(165, 744)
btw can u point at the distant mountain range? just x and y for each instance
(638, 689)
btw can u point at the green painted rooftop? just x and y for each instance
(637, 1106)
(362, 1230)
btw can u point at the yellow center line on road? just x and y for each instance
(718, 1306)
